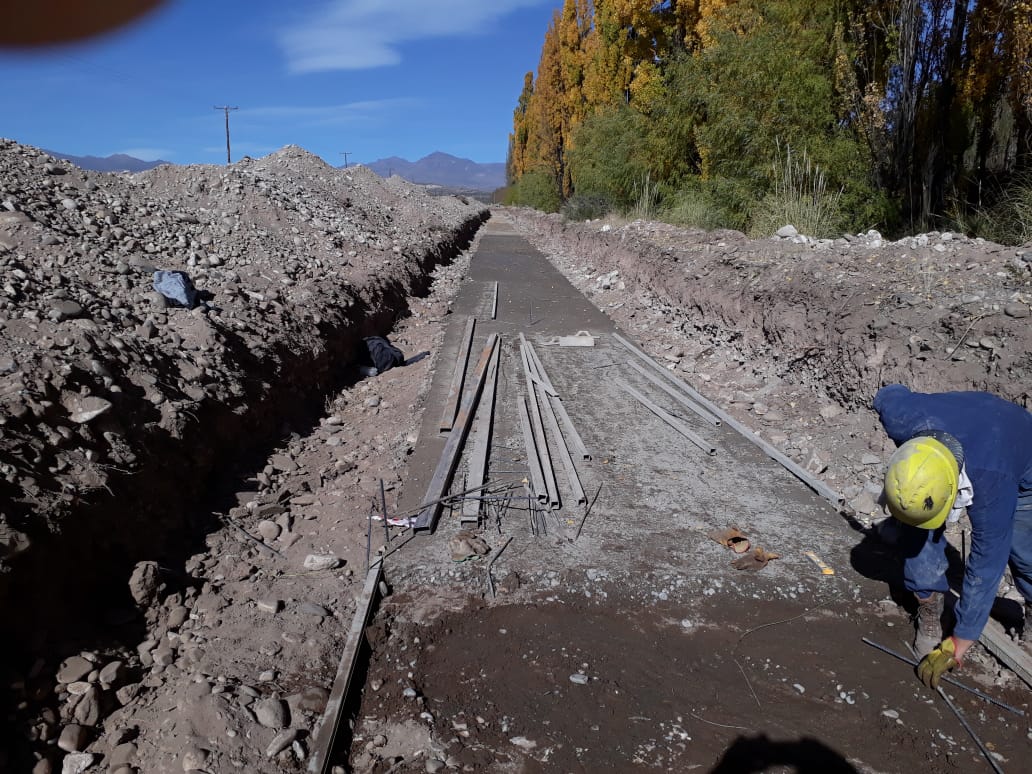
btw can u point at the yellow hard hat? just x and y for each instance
(921, 482)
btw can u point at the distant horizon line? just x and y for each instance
(61, 154)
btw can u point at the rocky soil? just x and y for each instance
(185, 494)
(171, 478)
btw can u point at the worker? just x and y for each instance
(957, 450)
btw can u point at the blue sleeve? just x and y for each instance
(992, 527)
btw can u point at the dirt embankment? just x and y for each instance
(121, 412)
(795, 335)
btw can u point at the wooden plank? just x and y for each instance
(326, 735)
(995, 639)
(537, 478)
(451, 404)
(679, 397)
(540, 440)
(811, 481)
(478, 460)
(564, 452)
(671, 420)
(446, 465)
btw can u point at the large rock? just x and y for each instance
(144, 583)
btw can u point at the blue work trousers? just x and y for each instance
(925, 563)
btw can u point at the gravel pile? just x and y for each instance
(285, 253)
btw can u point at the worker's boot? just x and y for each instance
(928, 623)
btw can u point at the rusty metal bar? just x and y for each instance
(541, 441)
(325, 735)
(564, 452)
(811, 481)
(478, 460)
(451, 404)
(453, 447)
(537, 477)
(679, 397)
(671, 420)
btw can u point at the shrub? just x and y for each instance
(707, 204)
(799, 197)
(586, 207)
(608, 155)
(535, 189)
(1009, 220)
(646, 198)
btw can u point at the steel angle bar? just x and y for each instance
(451, 405)
(671, 420)
(494, 303)
(532, 371)
(325, 735)
(679, 397)
(540, 441)
(537, 478)
(446, 465)
(571, 431)
(536, 368)
(814, 483)
(564, 454)
(485, 419)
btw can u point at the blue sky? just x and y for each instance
(370, 77)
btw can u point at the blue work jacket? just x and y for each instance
(996, 436)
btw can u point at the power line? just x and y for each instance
(345, 154)
(227, 109)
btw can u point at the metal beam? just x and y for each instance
(537, 478)
(551, 490)
(494, 303)
(427, 519)
(537, 369)
(478, 460)
(811, 481)
(564, 452)
(451, 404)
(671, 420)
(679, 397)
(571, 431)
(326, 735)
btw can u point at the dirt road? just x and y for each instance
(627, 639)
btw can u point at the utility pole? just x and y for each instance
(227, 109)
(345, 154)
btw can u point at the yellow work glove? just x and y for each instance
(938, 662)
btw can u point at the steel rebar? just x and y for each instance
(386, 526)
(490, 578)
(946, 679)
(971, 731)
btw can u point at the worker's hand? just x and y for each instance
(938, 662)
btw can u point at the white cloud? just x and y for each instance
(362, 34)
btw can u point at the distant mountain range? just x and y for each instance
(444, 170)
(440, 169)
(119, 162)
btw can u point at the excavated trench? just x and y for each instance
(76, 578)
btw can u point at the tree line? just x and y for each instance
(902, 115)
